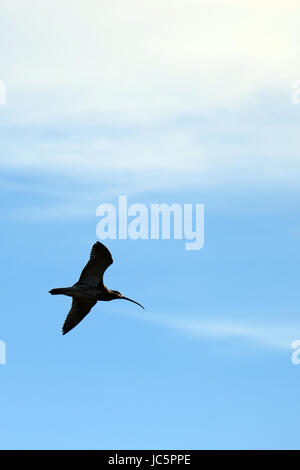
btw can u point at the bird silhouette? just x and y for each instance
(90, 287)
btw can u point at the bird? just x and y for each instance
(90, 287)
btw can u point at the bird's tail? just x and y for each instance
(62, 290)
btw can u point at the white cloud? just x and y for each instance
(152, 58)
(138, 68)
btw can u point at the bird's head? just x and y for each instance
(117, 295)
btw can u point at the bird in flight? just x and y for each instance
(90, 287)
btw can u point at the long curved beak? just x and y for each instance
(130, 300)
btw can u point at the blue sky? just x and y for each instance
(190, 110)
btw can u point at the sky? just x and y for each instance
(164, 102)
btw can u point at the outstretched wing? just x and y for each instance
(80, 308)
(99, 261)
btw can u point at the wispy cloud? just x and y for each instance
(245, 147)
(274, 336)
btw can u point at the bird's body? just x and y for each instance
(90, 287)
(82, 291)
